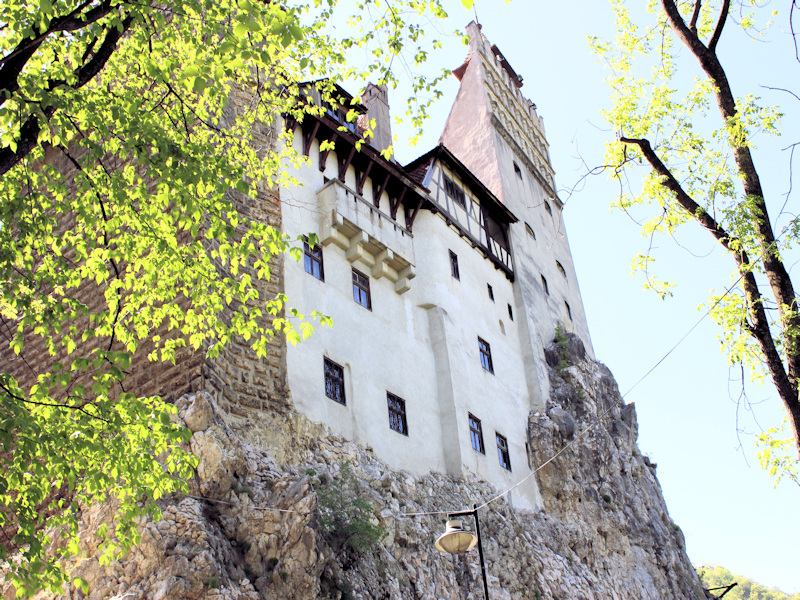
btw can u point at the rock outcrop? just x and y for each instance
(249, 529)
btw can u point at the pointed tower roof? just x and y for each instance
(490, 103)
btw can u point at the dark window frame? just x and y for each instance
(397, 413)
(361, 292)
(454, 271)
(453, 191)
(313, 257)
(503, 455)
(476, 433)
(486, 355)
(334, 381)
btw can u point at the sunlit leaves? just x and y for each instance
(140, 224)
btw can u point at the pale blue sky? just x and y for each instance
(715, 490)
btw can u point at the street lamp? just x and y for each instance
(457, 540)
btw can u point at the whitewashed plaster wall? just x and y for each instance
(421, 345)
(492, 127)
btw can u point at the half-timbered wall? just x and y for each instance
(470, 217)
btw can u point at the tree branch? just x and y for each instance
(760, 327)
(695, 15)
(14, 63)
(755, 210)
(723, 17)
(29, 132)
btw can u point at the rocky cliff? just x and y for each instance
(251, 527)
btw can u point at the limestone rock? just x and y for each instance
(603, 530)
(199, 414)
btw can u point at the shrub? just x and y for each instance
(344, 516)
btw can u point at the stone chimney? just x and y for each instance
(376, 100)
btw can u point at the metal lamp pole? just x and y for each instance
(474, 513)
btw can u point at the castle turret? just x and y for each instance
(495, 131)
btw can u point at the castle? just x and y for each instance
(445, 279)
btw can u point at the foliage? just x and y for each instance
(776, 454)
(562, 343)
(345, 518)
(130, 132)
(677, 118)
(746, 589)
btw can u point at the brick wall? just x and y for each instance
(239, 379)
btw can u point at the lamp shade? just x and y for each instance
(456, 539)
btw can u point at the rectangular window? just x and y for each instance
(476, 434)
(491, 292)
(455, 192)
(454, 265)
(313, 260)
(397, 413)
(486, 355)
(502, 452)
(334, 381)
(361, 289)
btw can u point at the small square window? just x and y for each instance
(510, 312)
(361, 289)
(547, 208)
(517, 170)
(561, 269)
(502, 452)
(544, 285)
(334, 381)
(455, 192)
(491, 292)
(454, 265)
(313, 260)
(529, 229)
(486, 355)
(397, 413)
(476, 434)
(569, 311)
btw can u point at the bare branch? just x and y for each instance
(723, 17)
(695, 15)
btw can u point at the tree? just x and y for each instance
(130, 132)
(702, 172)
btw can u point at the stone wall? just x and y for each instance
(249, 528)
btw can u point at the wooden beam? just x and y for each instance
(410, 217)
(361, 178)
(393, 206)
(323, 154)
(344, 163)
(377, 192)
(308, 138)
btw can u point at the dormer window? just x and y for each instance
(454, 192)
(339, 114)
